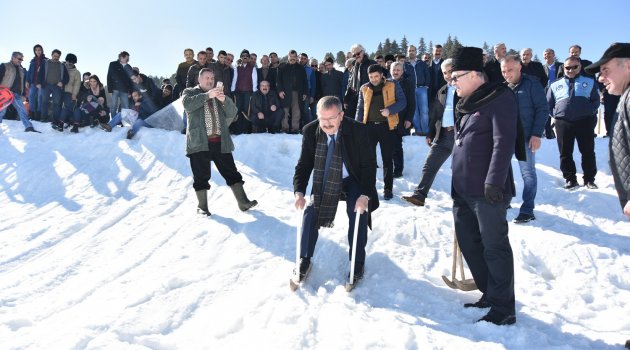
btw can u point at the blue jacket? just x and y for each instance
(422, 74)
(584, 103)
(312, 82)
(30, 74)
(533, 109)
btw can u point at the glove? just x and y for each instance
(493, 193)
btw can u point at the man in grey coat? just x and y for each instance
(208, 140)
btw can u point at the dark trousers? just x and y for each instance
(610, 105)
(380, 134)
(582, 132)
(310, 232)
(68, 107)
(271, 122)
(482, 233)
(438, 154)
(242, 125)
(398, 157)
(549, 129)
(200, 166)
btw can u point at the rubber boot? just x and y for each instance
(202, 207)
(239, 193)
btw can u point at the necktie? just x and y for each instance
(329, 156)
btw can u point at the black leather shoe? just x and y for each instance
(387, 195)
(397, 175)
(591, 185)
(571, 184)
(498, 318)
(523, 218)
(479, 304)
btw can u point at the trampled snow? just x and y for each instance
(101, 248)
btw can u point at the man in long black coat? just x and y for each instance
(482, 182)
(293, 89)
(352, 170)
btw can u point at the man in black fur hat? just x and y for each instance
(482, 182)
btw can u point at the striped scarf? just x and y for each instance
(326, 203)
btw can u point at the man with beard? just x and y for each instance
(208, 140)
(482, 182)
(293, 91)
(380, 101)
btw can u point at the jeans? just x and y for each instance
(438, 154)
(421, 115)
(57, 93)
(380, 134)
(19, 107)
(119, 97)
(139, 123)
(34, 99)
(530, 181)
(68, 107)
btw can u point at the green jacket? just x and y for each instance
(196, 135)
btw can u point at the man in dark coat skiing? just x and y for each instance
(338, 153)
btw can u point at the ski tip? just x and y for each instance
(293, 285)
(349, 287)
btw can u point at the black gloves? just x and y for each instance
(493, 193)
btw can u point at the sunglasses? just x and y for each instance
(357, 54)
(456, 78)
(570, 68)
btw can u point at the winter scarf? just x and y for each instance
(326, 203)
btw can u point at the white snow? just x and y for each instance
(100, 248)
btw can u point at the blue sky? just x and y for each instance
(155, 33)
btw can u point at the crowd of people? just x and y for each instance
(481, 111)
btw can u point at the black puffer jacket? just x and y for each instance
(620, 149)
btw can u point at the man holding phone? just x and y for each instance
(208, 139)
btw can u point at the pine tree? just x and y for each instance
(512, 52)
(536, 59)
(422, 47)
(487, 49)
(379, 49)
(431, 45)
(328, 54)
(341, 58)
(404, 45)
(387, 47)
(447, 50)
(456, 46)
(395, 49)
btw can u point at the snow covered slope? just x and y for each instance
(100, 247)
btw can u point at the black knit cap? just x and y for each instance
(616, 50)
(468, 58)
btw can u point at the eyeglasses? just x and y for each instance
(314, 65)
(357, 54)
(19, 58)
(570, 68)
(456, 78)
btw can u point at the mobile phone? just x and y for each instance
(220, 85)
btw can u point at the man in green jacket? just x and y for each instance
(208, 139)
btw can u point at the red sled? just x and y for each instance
(6, 97)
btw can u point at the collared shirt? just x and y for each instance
(344, 171)
(448, 118)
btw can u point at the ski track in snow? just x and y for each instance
(100, 247)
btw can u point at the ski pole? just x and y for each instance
(298, 240)
(354, 245)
